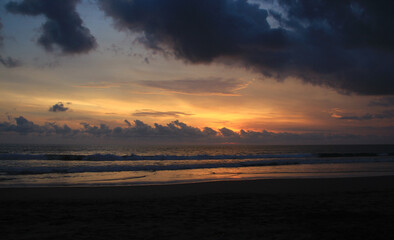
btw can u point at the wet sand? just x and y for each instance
(341, 208)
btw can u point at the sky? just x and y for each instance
(197, 71)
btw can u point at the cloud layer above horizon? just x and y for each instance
(173, 132)
(345, 45)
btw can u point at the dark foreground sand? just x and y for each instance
(348, 208)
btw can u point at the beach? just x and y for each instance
(196, 120)
(314, 208)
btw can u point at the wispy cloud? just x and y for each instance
(214, 86)
(367, 116)
(383, 102)
(153, 113)
(100, 85)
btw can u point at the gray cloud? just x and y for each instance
(63, 27)
(58, 107)
(116, 50)
(209, 132)
(23, 126)
(346, 45)
(61, 130)
(383, 102)
(102, 130)
(177, 132)
(214, 86)
(152, 113)
(10, 62)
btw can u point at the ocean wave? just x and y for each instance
(113, 157)
(16, 170)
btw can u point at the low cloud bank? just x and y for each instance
(171, 133)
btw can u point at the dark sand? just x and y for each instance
(348, 208)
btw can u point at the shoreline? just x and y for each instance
(197, 176)
(255, 186)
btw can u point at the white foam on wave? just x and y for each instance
(112, 157)
(16, 169)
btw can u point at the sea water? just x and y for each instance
(102, 165)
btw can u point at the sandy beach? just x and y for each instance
(337, 208)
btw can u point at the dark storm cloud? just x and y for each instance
(177, 132)
(197, 30)
(214, 86)
(347, 45)
(152, 113)
(58, 107)
(63, 27)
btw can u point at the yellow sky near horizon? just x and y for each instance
(247, 101)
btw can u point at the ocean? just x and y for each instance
(103, 165)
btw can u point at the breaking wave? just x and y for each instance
(112, 157)
(113, 166)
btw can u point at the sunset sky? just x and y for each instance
(197, 71)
